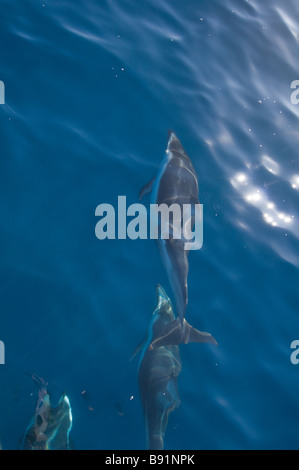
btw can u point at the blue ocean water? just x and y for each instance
(91, 89)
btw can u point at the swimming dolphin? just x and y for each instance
(176, 183)
(159, 367)
(50, 426)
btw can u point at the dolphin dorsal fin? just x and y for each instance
(138, 348)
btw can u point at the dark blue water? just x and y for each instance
(92, 88)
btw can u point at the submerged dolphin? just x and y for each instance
(50, 426)
(176, 183)
(159, 367)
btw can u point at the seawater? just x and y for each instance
(91, 89)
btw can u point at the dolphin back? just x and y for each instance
(178, 181)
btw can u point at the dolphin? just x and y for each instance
(176, 183)
(160, 366)
(50, 426)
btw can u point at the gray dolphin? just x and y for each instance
(160, 366)
(176, 183)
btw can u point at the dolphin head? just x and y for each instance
(164, 309)
(174, 145)
(162, 297)
(60, 424)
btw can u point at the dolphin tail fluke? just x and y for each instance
(193, 335)
(176, 332)
(146, 188)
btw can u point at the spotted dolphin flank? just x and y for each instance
(159, 368)
(176, 183)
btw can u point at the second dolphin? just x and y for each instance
(160, 365)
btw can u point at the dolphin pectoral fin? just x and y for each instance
(147, 188)
(192, 335)
(137, 350)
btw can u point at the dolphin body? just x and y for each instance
(176, 183)
(160, 366)
(50, 426)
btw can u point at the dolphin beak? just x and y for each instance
(170, 132)
(173, 143)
